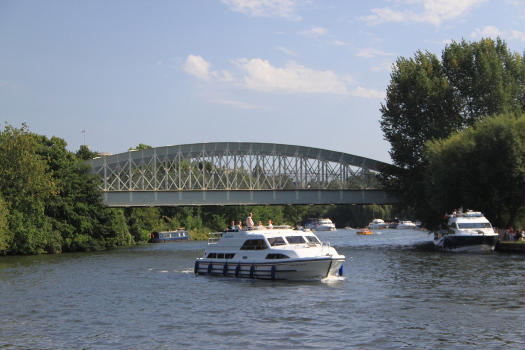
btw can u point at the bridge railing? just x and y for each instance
(235, 166)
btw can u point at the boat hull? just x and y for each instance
(167, 240)
(294, 269)
(467, 243)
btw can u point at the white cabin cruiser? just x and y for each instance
(323, 224)
(278, 253)
(377, 224)
(469, 231)
(405, 225)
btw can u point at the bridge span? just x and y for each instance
(238, 173)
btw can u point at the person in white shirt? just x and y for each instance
(249, 221)
(270, 224)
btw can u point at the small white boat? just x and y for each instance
(323, 224)
(469, 231)
(377, 224)
(405, 225)
(278, 253)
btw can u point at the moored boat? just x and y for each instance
(278, 253)
(405, 225)
(377, 224)
(469, 231)
(319, 224)
(169, 236)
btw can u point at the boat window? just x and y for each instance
(312, 239)
(254, 244)
(229, 256)
(473, 225)
(276, 241)
(212, 256)
(295, 239)
(277, 256)
(220, 256)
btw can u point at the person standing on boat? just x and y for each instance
(270, 224)
(249, 221)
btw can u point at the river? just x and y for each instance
(397, 292)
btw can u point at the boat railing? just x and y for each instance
(214, 237)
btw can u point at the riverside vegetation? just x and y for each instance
(50, 203)
(456, 127)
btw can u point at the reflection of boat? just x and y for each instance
(364, 231)
(377, 224)
(270, 254)
(169, 236)
(469, 231)
(323, 224)
(405, 225)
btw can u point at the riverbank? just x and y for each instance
(511, 246)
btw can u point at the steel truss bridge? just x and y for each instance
(238, 173)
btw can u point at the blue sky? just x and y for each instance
(310, 73)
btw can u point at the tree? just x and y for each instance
(6, 235)
(482, 167)
(85, 153)
(428, 99)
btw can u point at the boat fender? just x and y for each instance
(272, 272)
(252, 270)
(341, 270)
(196, 268)
(210, 267)
(225, 269)
(237, 270)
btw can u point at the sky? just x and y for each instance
(114, 74)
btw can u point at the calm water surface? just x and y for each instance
(397, 293)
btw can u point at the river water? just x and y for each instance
(397, 293)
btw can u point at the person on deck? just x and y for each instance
(249, 221)
(270, 224)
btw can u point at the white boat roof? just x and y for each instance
(468, 216)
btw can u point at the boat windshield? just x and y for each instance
(295, 239)
(473, 225)
(312, 239)
(276, 241)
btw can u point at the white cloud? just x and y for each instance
(488, 31)
(433, 11)
(382, 67)
(261, 75)
(494, 32)
(340, 43)
(517, 35)
(367, 93)
(371, 53)
(315, 32)
(237, 104)
(264, 8)
(197, 66)
(286, 51)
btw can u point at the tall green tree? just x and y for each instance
(482, 167)
(429, 99)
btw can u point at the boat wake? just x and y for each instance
(333, 279)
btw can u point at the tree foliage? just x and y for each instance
(482, 167)
(429, 99)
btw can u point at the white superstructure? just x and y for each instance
(279, 253)
(405, 225)
(322, 224)
(469, 231)
(377, 224)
